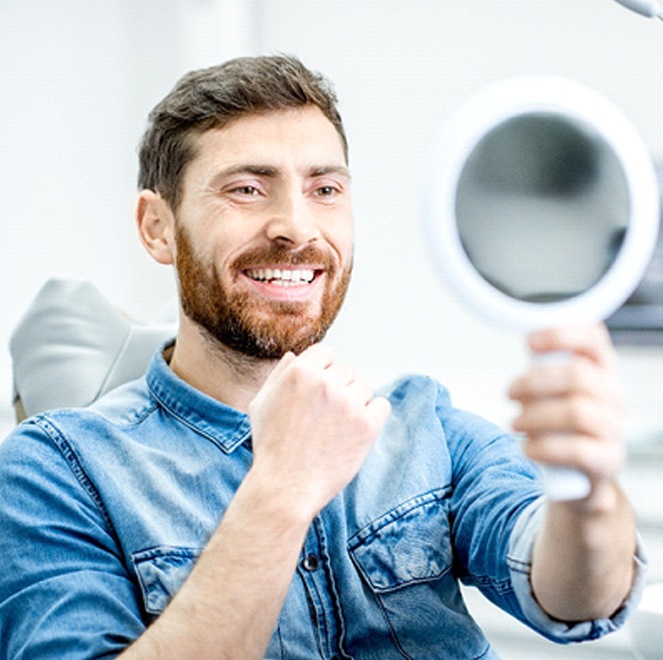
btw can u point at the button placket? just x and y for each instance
(315, 570)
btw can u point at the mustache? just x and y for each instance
(279, 254)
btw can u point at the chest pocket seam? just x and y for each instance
(409, 544)
(161, 571)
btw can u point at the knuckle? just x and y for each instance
(362, 424)
(579, 374)
(582, 453)
(300, 373)
(578, 412)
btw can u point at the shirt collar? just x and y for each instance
(225, 426)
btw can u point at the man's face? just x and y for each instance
(264, 232)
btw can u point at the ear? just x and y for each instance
(156, 226)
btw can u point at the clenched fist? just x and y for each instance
(313, 424)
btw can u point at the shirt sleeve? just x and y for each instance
(520, 564)
(497, 508)
(65, 591)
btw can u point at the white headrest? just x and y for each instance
(72, 346)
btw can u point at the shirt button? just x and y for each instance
(311, 563)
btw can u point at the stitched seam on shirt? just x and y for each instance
(70, 456)
(483, 655)
(396, 641)
(518, 565)
(501, 586)
(373, 528)
(139, 416)
(337, 614)
(392, 632)
(197, 426)
(205, 434)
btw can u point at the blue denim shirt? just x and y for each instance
(104, 511)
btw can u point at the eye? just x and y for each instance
(248, 191)
(327, 191)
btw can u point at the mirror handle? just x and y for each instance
(563, 484)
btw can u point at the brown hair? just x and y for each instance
(211, 98)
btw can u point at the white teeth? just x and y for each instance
(282, 277)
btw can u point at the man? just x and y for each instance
(251, 497)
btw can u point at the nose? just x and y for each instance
(291, 220)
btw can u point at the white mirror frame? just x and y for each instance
(455, 142)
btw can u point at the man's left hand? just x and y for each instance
(571, 409)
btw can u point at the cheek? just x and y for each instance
(346, 250)
(341, 239)
(218, 248)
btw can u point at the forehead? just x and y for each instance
(292, 136)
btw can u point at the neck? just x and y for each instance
(222, 373)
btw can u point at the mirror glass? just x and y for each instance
(542, 207)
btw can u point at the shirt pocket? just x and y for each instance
(162, 571)
(409, 544)
(405, 558)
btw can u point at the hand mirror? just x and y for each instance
(543, 210)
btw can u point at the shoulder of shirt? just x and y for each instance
(414, 385)
(125, 406)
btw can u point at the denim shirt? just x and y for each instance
(104, 511)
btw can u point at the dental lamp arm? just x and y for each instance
(648, 8)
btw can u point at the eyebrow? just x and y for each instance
(273, 172)
(330, 169)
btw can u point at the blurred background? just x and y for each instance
(78, 77)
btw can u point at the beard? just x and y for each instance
(246, 323)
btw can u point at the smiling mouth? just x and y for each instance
(282, 276)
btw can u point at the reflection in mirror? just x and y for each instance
(542, 206)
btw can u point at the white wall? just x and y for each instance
(400, 68)
(78, 77)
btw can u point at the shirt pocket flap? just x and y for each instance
(161, 572)
(407, 545)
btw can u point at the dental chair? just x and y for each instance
(72, 346)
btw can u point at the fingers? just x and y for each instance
(313, 425)
(342, 373)
(282, 364)
(320, 360)
(576, 375)
(592, 342)
(571, 411)
(316, 372)
(314, 359)
(578, 415)
(600, 460)
(587, 378)
(317, 356)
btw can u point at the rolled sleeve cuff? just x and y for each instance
(520, 564)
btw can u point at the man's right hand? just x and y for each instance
(313, 424)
